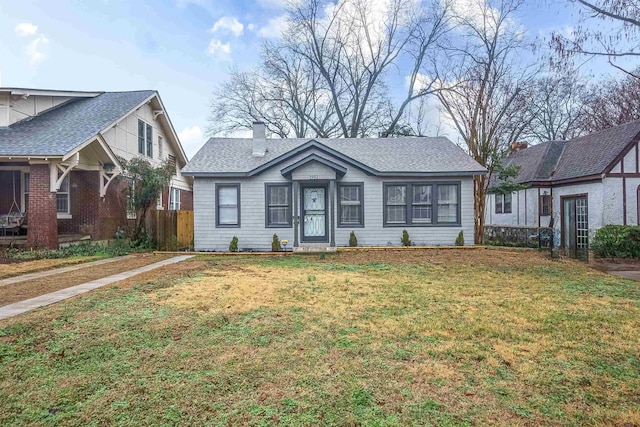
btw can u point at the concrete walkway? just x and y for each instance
(41, 274)
(43, 300)
(631, 274)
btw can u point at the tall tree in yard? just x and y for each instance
(146, 182)
(607, 28)
(613, 103)
(329, 74)
(486, 94)
(559, 104)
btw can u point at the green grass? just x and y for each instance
(443, 339)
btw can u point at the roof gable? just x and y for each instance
(59, 130)
(586, 156)
(314, 158)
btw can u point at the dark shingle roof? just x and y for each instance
(415, 155)
(59, 130)
(585, 156)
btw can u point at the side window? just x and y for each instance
(228, 205)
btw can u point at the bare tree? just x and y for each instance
(613, 103)
(559, 104)
(485, 97)
(329, 75)
(594, 35)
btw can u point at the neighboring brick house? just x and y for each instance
(575, 186)
(59, 165)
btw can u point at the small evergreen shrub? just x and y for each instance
(275, 244)
(405, 238)
(460, 239)
(617, 241)
(233, 246)
(353, 241)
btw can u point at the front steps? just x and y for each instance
(314, 248)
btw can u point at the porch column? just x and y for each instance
(42, 214)
(332, 218)
(296, 218)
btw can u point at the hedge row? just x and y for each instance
(617, 241)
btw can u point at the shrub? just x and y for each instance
(405, 238)
(275, 244)
(619, 241)
(233, 246)
(460, 239)
(353, 241)
(118, 248)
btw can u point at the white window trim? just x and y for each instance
(159, 205)
(172, 199)
(67, 214)
(144, 139)
(23, 178)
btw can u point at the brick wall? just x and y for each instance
(43, 227)
(84, 196)
(186, 200)
(112, 213)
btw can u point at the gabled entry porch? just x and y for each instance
(42, 198)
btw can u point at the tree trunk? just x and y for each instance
(479, 201)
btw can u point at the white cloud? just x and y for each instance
(274, 28)
(218, 49)
(34, 50)
(228, 24)
(251, 27)
(191, 139)
(25, 29)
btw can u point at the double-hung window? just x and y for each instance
(228, 205)
(503, 203)
(25, 192)
(545, 205)
(350, 205)
(396, 204)
(421, 204)
(145, 139)
(62, 197)
(174, 199)
(278, 205)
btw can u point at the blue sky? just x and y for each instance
(182, 48)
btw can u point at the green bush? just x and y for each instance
(119, 248)
(405, 238)
(460, 239)
(617, 241)
(275, 244)
(353, 241)
(233, 246)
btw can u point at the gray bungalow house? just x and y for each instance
(315, 192)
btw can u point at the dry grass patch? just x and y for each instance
(382, 338)
(18, 267)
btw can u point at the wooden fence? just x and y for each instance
(171, 230)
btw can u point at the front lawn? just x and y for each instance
(432, 337)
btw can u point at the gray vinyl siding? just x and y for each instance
(254, 235)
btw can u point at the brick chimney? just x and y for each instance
(259, 139)
(517, 146)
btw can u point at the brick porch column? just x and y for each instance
(42, 228)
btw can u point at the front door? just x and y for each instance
(314, 214)
(575, 226)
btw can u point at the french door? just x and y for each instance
(575, 226)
